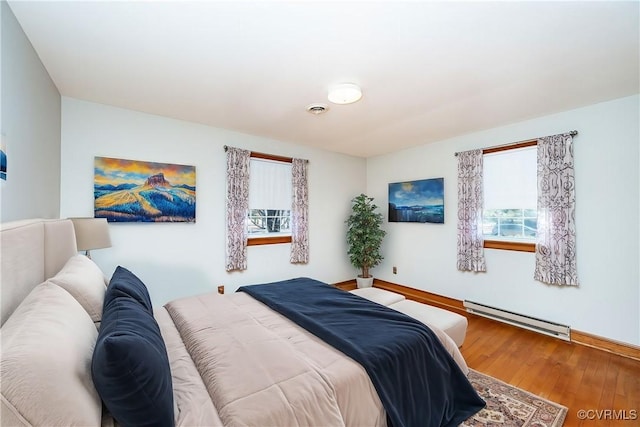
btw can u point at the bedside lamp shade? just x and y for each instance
(91, 233)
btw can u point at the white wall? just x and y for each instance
(183, 259)
(178, 259)
(30, 129)
(607, 159)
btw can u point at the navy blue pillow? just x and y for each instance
(130, 367)
(124, 282)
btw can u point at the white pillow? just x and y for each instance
(47, 345)
(83, 279)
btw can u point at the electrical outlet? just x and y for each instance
(395, 270)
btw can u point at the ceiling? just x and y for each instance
(428, 70)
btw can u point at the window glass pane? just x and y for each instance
(510, 195)
(268, 221)
(269, 198)
(509, 223)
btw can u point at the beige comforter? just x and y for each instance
(236, 362)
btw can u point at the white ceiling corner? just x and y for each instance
(428, 70)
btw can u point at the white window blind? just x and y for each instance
(269, 185)
(510, 179)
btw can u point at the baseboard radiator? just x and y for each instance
(537, 325)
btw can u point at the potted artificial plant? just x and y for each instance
(364, 237)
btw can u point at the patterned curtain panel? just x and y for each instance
(470, 240)
(299, 213)
(237, 207)
(556, 235)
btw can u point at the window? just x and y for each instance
(509, 217)
(263, 222)
(269, 216)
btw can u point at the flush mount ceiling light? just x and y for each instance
(345, 93)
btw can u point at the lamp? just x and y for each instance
(344, 93)
(91, 233)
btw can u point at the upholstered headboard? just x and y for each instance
(31, 251)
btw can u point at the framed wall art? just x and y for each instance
(3, 159)
(138, 191)
(417, 201)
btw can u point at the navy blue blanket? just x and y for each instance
(417, 381)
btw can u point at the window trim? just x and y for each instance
(501, 244)
(273, 157)
(509, 246)
(272, 240)
(523, 144)
(269, 240)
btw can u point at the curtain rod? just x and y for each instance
(525, 141)
(269, 156)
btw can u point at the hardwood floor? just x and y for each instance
(581, 378)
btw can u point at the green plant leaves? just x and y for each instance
(364, 234)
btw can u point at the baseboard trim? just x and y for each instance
(605, 344)
(423, 296)
(347, 285)
(577, 337)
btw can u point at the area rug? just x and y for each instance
(509, 406)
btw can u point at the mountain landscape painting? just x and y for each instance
(137, 191)
(417, 201)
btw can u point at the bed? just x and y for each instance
(91, 350)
